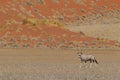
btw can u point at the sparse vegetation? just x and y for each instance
(56, 1)
(52, 22)
(38, 22)
(82, 33)
(31, 21)
(40, 1)
(81, 2)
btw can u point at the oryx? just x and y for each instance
(84, 58)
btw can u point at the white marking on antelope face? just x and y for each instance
(79, 53)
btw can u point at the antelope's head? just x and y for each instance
(79, 53)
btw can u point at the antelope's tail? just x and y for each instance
(96, 61)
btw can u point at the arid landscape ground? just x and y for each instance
(45, 23)
(57, 64)
(39, 39)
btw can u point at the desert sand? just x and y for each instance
(107, 31)
(57, 64)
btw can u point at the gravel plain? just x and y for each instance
(57, 64)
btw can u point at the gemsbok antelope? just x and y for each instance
(86, 58)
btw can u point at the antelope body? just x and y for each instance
(85, 58)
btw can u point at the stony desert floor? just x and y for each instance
(57, 64)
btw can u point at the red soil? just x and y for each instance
(13, 12)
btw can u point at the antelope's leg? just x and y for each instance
(88, 64)
(92, 61)
(95, 64)
(81, 64)
(91, 65)
(85, 64)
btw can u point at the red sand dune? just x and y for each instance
(14, 32)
